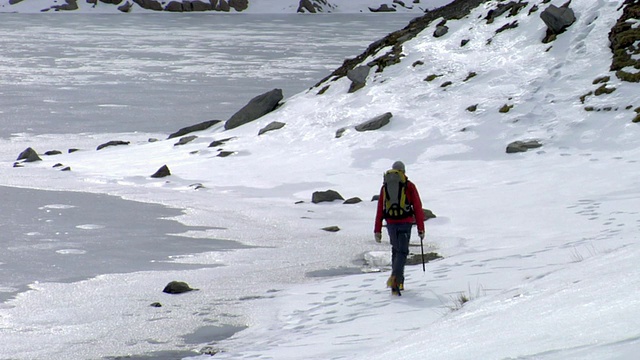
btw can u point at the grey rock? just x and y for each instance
(162, 172)
(177, 287)
(353, 200)
(239, 5)
(358, 77)
(340, 132)
(440, 31)
(382, 8)
(275, 125)
(197, 127)
(306, 5)
(522, 146)
(375, 123)
(29, 155)
(125, 8)
(558, 19)
(256, 108)
(112, 143)
(325, 196)
(220, 142)
(185, 140)
(331, 228)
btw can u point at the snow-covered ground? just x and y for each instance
(543, 243)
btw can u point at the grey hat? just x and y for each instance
(398, 165)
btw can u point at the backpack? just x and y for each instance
(396, 204)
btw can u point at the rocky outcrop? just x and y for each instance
(256, 108)
(185, 140)
(623, 40)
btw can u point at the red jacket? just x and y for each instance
(414, 199)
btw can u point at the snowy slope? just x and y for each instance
(544, 243)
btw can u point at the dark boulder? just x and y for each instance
(53, 152)
(177, 287)
(440, 31)
(375, 123)
(322, 196)
(162, 172)
(256, 108)
(557, 19)
(112, 143)
(239, 5)
(220, 142)
(306, 5)
(29, 155)
(331, 228)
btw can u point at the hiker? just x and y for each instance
(399, 204)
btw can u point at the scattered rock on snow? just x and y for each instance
(353, 200)
(375, 123)
(185, 140)
(197, 127)
(112, 143)
(162, 172)
(256, 108)
(522, 146)
(29, 155)
(177, 287)
(331, 228)
(274, 125)
(325, 196)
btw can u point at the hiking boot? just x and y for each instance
(391, 281)
(401, 286)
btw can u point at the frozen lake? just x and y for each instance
(160, 72)
(69, 80)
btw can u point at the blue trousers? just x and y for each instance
(399, 235)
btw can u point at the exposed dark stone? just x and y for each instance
(217, 143)
(126, 7)
(382, 8)
(416, 259)
(306, 5)
(156, 304)
(340, 132)
(428, 214)
(53, 152)
(67, 168)
(57, 165)
(557, 19)
(353, 200)
(149, 4)
(331, 228)
(440, 31)
(29, 155)
(522, 146)
(375, 123)
(239, 5)
(275, 125)
(162, 172)
(70, 5)
(225, 153)
(256, 108)
(325, 196)
(177, 287)
(185, 140)
(358, 77)
(112, 143)
(72, 150)
(197, 127)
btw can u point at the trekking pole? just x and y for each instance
(422, 251)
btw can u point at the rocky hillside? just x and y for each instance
(224, 6)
